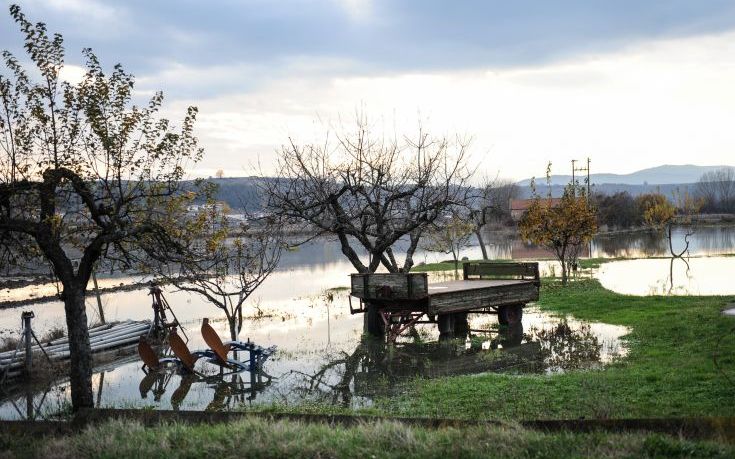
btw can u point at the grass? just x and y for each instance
(261, 438)
(669, 372)
(8, 344)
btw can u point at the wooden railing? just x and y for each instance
(495, 270)
(399, 286)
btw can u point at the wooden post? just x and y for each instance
(26, 317)
(99, 300)
(30, 415)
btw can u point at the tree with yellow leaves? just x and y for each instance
(563, 228)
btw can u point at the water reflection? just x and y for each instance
(227, 391)
(670, 276)
(706, 240)
(321, 358)
(374, 369)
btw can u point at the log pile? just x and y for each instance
(101, 338)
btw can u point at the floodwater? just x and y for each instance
(670, 276)
(321, 356)
(708, 240)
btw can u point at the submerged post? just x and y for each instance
(25, 318)
(100, 309)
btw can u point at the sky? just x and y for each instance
(629, 84)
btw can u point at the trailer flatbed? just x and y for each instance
(395, 301)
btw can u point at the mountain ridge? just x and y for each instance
(665, 174)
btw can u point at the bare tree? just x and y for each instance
(370, 191)
(491, 203)
(717, 189)
(224, 261)
(86, 175)
(450, 236)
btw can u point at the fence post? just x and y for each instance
(26, 317)
(100, 309)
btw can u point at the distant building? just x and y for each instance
(519, 206)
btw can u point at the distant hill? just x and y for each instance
(241, 192)
(238, 192)
(525, 192)
(660, 175)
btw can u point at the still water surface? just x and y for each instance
(320, 355)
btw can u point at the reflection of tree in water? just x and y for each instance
(648, 243)
(671, 272)
(566, 348)
(374, 368)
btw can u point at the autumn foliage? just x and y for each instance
(563, 228)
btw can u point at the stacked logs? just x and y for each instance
(101, 338)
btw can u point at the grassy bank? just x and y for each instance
(259, 438)
(670, 370)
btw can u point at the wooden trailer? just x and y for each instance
(394, 302)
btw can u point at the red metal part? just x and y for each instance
(396, 322)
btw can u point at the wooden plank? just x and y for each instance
(480, 298)
(397, 286)
(494, 270)
(465, 285)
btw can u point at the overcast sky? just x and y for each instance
(631, 84)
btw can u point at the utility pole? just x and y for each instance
(581, 169)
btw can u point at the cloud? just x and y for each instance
(88, 8)
(359, 10)
(381, 36)
(532, 80)
(671, 101)
(72, 73)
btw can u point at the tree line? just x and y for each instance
(715, 193)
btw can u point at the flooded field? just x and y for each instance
(303, 310)
(322, 358)
(670, 276)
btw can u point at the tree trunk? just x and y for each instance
(478, 233)
(671, 244)
(233, 331)
(232, 322)
(562, 256)
(80, 365)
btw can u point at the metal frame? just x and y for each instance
(405, 320)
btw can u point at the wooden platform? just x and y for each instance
(484, 285)
(468, 295)
(395, 302)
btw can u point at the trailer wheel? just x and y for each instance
(510, 314)
(374, 321)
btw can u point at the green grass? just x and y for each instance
(260, 438)
(669, 371)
